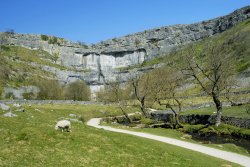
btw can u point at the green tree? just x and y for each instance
(77, 90)
(44, 37)
(49, 89)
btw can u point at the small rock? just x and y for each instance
(73, 115)
(21, 110)
(74, 120)
(9, 114)
(4, 107)
(17, 105)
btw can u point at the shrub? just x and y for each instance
(10, 31)
(147, 121)
(192, 128)
(78, 90)
(29, 95)
(22, 136)
(49, 89)
(44, 37)
(5, 48)
(53, 40)
(81, 118)
(10, 95)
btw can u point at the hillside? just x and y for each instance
(26, 57)
(235, 40)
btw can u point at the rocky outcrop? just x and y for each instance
(102, 59)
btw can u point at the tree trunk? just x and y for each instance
(177, 121)
(218, 105)
(175, 116)
(126, 115)
(142, 107)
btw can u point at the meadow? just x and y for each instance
(31, 140)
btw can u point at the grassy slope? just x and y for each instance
(19, 62)
(237, 38)
(30, 140)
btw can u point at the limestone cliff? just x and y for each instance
(99, 62)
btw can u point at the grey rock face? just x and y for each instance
(102, 59)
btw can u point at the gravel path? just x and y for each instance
(229, 156)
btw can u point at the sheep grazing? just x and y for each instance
(63, 125)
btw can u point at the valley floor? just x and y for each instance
(29, 139)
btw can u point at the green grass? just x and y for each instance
(30, 140)
(236, 39)
(19, 53)
(234, 111)
(172, 133)
(20, 62)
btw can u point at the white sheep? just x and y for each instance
(63, 125)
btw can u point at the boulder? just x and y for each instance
(4, 107)
(9, 114)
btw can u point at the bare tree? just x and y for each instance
(121, 97)
(141, 88)
(165, 88)
(212, 69)
(118, 93)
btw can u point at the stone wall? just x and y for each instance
(195, 119)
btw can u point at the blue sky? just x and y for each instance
(91, 21)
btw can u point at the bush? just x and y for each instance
(5, 48)
(135, 117)
(44, 37)
(49, 89)
(147, 121)
(192, 128)
(81, 118)
(78, 90)
(29, 96)
(222, 129)
(53, 40)
(10, 95)
(10, 31)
